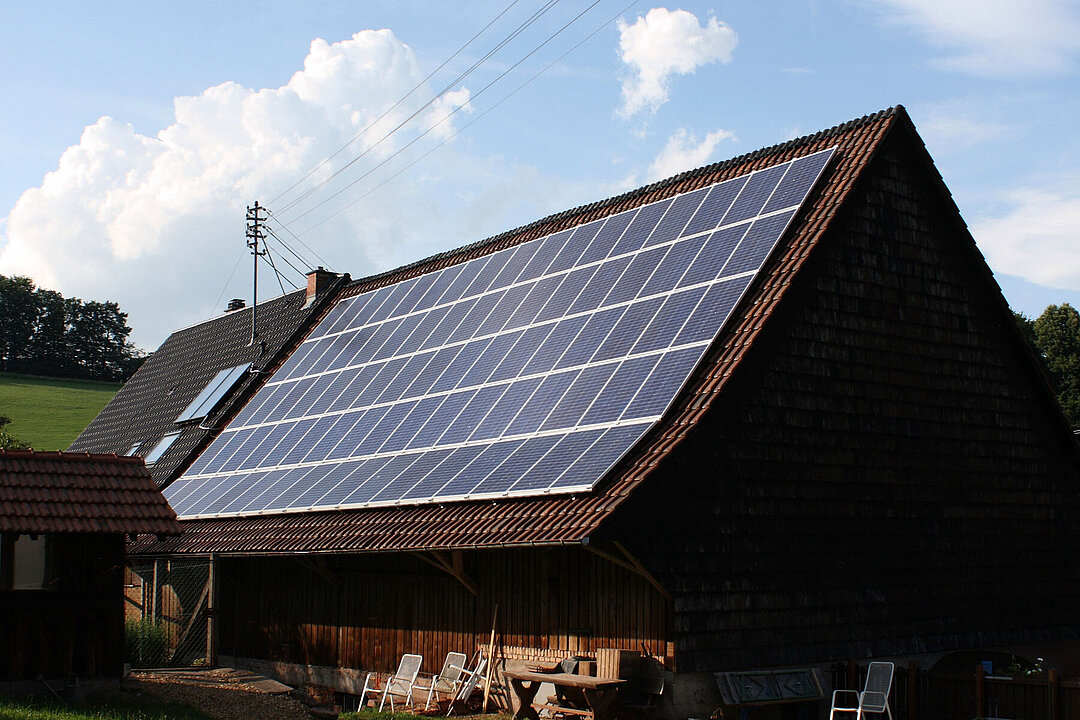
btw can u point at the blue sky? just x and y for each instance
(133, 135)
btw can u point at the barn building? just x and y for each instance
(775, 412)
(63, 520)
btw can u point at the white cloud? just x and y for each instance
(666, 43)
(950, 128)
(1003, 37)
(683, 151)
(157, 222)
(1036, 239)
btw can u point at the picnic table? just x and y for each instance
(600, 693)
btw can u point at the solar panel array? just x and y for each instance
(527, 371)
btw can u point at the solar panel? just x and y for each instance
(161, 447)
(527, 371)
(210, 395)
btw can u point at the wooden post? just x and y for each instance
(852, 675)
(980, 694)
(154, 604)
(211, 609)
(912, 691)
(1055, 712)
(491, 660)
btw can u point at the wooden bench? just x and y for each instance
(600, 693)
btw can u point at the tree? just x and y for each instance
(49, 353)
(44, 333)
(9, 441)
(1057, 337)
(17, 312)
(1027, 327)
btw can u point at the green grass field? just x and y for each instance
(48, 412)
(20, 709)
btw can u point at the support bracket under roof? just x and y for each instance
(453, 565)
(619, 555)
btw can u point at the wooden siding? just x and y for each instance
(887, 474)
(74, 628)
(365, 611)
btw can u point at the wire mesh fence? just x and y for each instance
(166, 618)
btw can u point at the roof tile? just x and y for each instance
(45, 492)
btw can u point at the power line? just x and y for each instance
(285, 260)
(474, 120)
(297, 238)
(239, 257)
(398, 103)
(448, 115)
(277, 273)
(521, 28)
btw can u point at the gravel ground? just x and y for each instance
(224, 693)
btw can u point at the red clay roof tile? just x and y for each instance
(47, 492)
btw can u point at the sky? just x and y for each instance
(134, 135)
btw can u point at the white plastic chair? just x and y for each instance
(874, 697)
(448, 679)
(400, 683)
(468, 684)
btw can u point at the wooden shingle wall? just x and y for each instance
(365, 611)
(887, 473)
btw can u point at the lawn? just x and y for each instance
(11, 709)
(49, 412)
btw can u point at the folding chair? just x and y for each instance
(874, 697)
(468, 684)
(448, 679)
(400, 683)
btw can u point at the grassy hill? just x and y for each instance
(49, 412)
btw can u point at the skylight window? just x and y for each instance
(131, 451)
(164, 444)
(211, 395)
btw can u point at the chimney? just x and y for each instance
(236, 304)
(317, 281)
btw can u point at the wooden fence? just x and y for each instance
(173, 594)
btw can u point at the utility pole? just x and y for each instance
(255, 219)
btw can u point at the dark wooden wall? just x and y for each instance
(365, 611)
(75, 627)
(886, 474)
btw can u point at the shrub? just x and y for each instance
(146, 643)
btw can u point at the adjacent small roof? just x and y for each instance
(56, 492)
(152, 405)
(555, 520)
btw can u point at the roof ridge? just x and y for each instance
(586, 208)
(234, 313)
(71, 456)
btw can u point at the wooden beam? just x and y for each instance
(628, 562)
(611, 558)
(642, 571)
(211, 610)
(155, 590)
(453, 566)
(318, 566)
(194, 615)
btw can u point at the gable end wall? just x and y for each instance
(885, 474)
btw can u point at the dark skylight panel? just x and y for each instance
(212, 394)
(160, 448)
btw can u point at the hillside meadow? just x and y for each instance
(50, 412)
